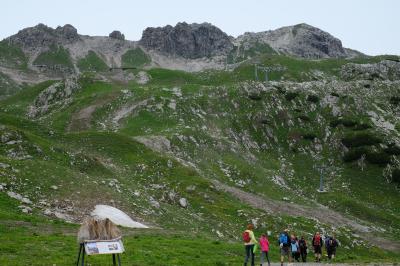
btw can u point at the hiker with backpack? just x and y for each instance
(317, 244)
(249, 243)
(303, 249)
(294, 247)
(331, 248)
(284, 244)
(264, 243)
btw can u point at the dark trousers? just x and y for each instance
(296, 256)
(249, 253)
(263, 255)
(303, 254)
(331, 251)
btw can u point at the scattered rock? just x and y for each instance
(19, 197)
(25, 209)
(183, 202)
(384, 70)
(154, 203)
(191, 188)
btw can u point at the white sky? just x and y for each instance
(370, 26)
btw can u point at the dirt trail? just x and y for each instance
(320, 213)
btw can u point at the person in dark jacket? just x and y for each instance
(317, 243)
(331, 248)
(303, 249)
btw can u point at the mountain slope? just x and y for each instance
(199, 154)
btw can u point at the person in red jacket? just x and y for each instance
(317, 244)
(264, 243)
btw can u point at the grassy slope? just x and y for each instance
(135, 58)
(81, 156)
(92, 62)
(12, 56)
(57, 55)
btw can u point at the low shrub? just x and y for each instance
(395, 100)
(360, 139)
(396, 175)
(309, 136)
(304, 118)
(313, 98)
(378, 157)
(392, 150)
(362, 126)
(255, 97)
(355, 154)
(291, 95)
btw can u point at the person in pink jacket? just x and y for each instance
(264, 244)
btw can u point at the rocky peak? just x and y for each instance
(187, 40)
(300, 40)
(42, 36)
(117, 35)
(67, 32)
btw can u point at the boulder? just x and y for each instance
(117, 35)
(183, 202)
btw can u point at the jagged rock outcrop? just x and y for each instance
(384, 70)
(117, 35)
(187, 40)
(299, 40)
(42, 36)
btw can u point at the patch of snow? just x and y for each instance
(116, 216)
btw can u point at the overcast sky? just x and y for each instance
(370, 26)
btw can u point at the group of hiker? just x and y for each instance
(290, 246)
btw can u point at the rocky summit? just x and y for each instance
(300, 40)
(187, 40)
(41, 36)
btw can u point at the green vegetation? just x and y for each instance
(239, 54)
(135, 58)
(142, 147)
(55, 56)
(12, 56)
(7, 86)
(92, 62)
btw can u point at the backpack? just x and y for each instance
(302, 244)
(246, 236)
(317, 241)
(283, 239)
(294, 247)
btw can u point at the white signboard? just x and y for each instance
(104, 247)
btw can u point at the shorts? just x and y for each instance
(317, 250)
(285, 251)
